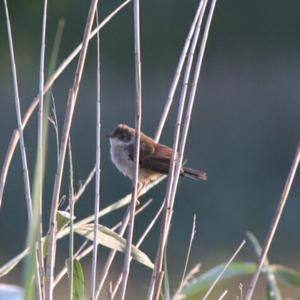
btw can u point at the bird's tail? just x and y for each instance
(194, 174)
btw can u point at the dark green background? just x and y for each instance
(244, 129)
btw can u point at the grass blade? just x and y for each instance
(110, 239)
(275, 222)
(286, 275)
(63, 218)
(78, 279)
(205, 280)
(273, 289)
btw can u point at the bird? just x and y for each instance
(154, 159)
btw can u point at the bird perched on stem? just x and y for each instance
(154, 161)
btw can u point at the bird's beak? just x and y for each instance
(108, 136)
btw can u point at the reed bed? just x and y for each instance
(40, 270)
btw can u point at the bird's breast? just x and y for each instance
(120, 157)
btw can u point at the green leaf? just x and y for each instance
(273, 288)
(38, 178)
(110, 239)
(63, 218)
(78, 279)
(204, 281)
(286, 275)
(6, 268)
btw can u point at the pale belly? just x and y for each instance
(122, 161)
(126, 166)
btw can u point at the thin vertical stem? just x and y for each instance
(23, 152)
(172, 178)
(224, 269)
(112, 254)
(82, 252)
(97, 183)
(191, 101)
(138, 112)
(275, 222)
(122, 227)
(268, 272)
(177, 74)
(18, 114)
(15, 136)
(140, 241)
(193, 233)
(223, 295)
(189, 111)
(63, 146)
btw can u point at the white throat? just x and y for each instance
(120, 156)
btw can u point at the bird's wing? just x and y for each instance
(147, 148)
(159, 161)
(155, 157)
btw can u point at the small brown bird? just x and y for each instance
(154, 157)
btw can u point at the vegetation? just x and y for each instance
(39, 272)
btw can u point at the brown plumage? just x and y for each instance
(154, 157)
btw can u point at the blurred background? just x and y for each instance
(244, 129)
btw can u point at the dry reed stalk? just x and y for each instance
(97, 183)
(275, 222)
(18, 114)
(189, 110)
(118, 204)
(155, 287)
(22, 142)
(223, 295)
(138, 113)
(84, 185)
(137, 212)
(81, 252)
(114, 206)
(171, 183)
(191, 103)
(140, 241)
(183, 277)
(53, 120)
(15, 136)
(112, 254)
(190, 275)
(224, 269)
(78, 194)
(177, 74)
(268, 272)
(63, 146)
